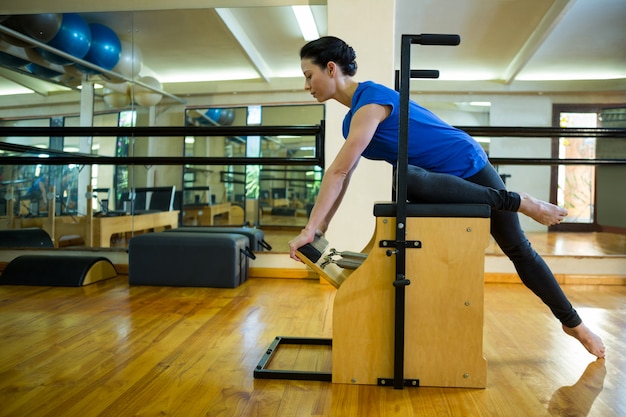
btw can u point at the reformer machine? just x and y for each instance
(437, 253)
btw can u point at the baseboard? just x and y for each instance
(490, 277)
(563, 279)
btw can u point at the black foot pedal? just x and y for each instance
(314, 255)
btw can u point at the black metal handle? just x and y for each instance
(248, 253)
(424, 73)
(436, 39)
(265, 244)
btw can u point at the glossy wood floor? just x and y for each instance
(113, 350)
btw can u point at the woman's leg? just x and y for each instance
(487, 187)
(427, 187)
(532, 269)
(430, 187)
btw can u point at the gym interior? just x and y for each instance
(157, 157)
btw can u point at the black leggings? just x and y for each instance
(486, 187)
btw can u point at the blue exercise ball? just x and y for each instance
(74, 38)
(42, 71)
(105, 49)
(213, 114)
(227, 117)
(42, 27)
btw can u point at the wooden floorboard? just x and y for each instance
(109, 349)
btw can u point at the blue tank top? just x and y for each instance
(433, 144)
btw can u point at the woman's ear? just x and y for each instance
(331, 67)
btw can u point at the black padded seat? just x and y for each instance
(434, 210)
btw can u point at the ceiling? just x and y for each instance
(231, 46)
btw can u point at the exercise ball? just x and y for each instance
(213, 114)
(146, 97)
(117, 100)
(74, 38)
(12, 22)
(42, 71)
(130, 60)
(227, 116)
(116, 95)
(117, 87)
(42, 27)
(105, 49)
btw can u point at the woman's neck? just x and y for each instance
(345, 91)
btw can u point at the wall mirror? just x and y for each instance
(263, 194)
(162, 75)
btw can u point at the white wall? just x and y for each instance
(528, 111)
(353, 225)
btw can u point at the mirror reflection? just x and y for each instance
(102, 205)
(265, 195)
(148, 68)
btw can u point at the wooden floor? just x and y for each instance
(113, 350)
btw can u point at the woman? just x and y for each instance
(38, 192)
(445, 166)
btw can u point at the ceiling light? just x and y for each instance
(304, 15)
(10, 90)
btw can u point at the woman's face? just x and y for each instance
(317, 80)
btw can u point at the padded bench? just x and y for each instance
(188, 259)
(30, 237)
(256, 236)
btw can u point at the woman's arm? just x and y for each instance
(337, 176)
(43, 191)
(331, 213)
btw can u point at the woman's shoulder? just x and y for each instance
(372, 85)
(372, 91)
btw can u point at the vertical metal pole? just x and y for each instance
(86, 119)
(401, 194)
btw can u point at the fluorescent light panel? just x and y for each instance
(305, 19)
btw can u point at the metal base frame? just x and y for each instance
(261, 371)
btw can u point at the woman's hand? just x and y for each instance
(305, 236)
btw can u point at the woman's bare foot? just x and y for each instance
(541, 211)
(589, 339)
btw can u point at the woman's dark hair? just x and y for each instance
(329, 48)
